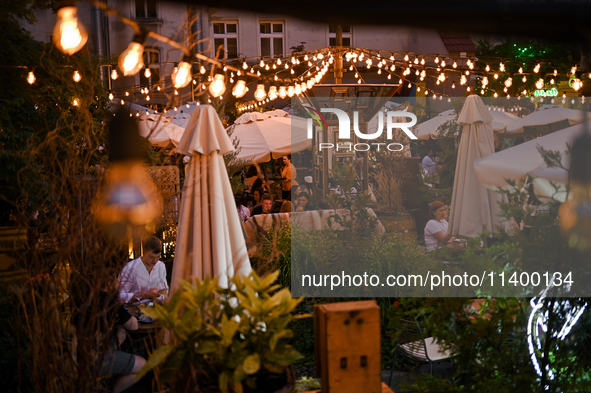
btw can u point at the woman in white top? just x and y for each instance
(436, 229)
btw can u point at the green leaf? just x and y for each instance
(224, 380)
(252, 364)
(157, 357)
(279, 335)
(206, 346)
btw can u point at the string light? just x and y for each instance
(273, 93)
(282, 92)
(260, 93)
(218, 86)
(111, 96)
(31, 78)
(181, 75)
(69, 36)
(147, 72)
(239, 89)
(114, 74)
(131, 60)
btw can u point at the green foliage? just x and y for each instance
(225, 337)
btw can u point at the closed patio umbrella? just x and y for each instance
(210, 240)
(474, 208)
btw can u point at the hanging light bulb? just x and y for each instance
(290, 91)
(75, 102)
(537, 68)
(540, 84)
(437, 60)
(442, 63)
(147, 72)
(496, 76)
(484, 81)
(31, 78)
(260, 93)
(181, 75)
(487, 68)
(520, 70)
(552, 81)
(468, 88)
(114, 74)
(218, 86)
(463, 80)
(131, 60)
(111, 96)
(508, 82)
(502, 67)
(282, 92)
(69, 36)
(298, 89)
(126, 94)
(524, 79)
(239, 89)
(148, 97)
(453, 85)
(273, 93)
(455, 65)
(577, 84)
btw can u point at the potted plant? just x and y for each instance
(226, 340)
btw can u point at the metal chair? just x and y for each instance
(412, 344)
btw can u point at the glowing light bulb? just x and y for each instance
(31, 78)
(75, 102)
(282, 92)
(244, 65)
(202, 70)
(181, 75)
(437, 60)
(484, 81)
(239, 89)
(508, 82)
(111, 96)
(218, 86)
(552, 81)
(520, 70)
(260, 93)
(298, 89)
(455, 65)
(453, 85)
(463, 80)
(126, 94)
(577, 84)
(290, 91)
(148, 97)
(540, 84)
(131, 60)
(114, 74)
(273, 93)
(502, 67)
(147, 72)
(524, 79)
(442, 63)
(69, 36)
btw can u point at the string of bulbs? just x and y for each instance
(70, 36)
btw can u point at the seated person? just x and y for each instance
(266, 206)
(286, 207)
(119, 362)
(428, 164)
(243, 211)
(436, 228)
(252, 180)
(304, 202)
(256, 198)
(294, 192)
(144, 277)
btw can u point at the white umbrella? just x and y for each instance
(269, 135)
(159, 130)
(474, 208)
(517, 162)
(547, 119)
(210, 240)
(428, 129)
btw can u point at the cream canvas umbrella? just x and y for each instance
(159, 130)
(269, 135)
(547, 119)
(519, 161)
(210, 240)
(474, 208)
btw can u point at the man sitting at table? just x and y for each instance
(266, 206)
(144, 277)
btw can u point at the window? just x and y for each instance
(271, 38)
(145, 9)
(226, 34)
(332, 35)
(151, 61)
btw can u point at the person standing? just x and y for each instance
(289, 174)
(144, 277)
